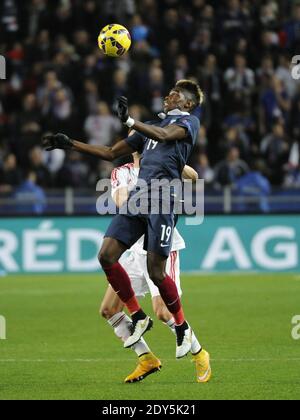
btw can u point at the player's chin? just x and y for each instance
(168, 108)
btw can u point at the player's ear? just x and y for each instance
(189, 105)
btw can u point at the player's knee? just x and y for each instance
(157, 276)
(106, 259)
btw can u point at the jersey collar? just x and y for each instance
(163, 116)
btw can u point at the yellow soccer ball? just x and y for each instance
(114, 40)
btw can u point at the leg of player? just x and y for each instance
(156, 265)
(200, 356)
(173, 269)
(162, 313)
(186, 339)
(109, 256)
(112, 310)
(169, 293)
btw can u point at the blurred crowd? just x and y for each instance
(240, 51)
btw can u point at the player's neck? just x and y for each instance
(175, 111)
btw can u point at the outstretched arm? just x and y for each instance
(161, 134)
(120, 149)
(61, 141)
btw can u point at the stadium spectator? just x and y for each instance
(201, 46)
(203, 168)
(36, 163)
(265, 72)
(269, 14)
(74, 172)
(30, 198)
(170, 28)
(103, 171)
(116, 10)
(120, 86)
(292, 29)
(295, 117)
(211, 79)
(46, 92)
(234, 22)
(154, 94)
(230, 170)
(235, 138)
(270, 43)
(102, 127)
(284, 73)
(240, 81)
(274, 104)
(253, 190)
(139, 31)
(88, 16)
(10, 175)
(202, 138)
(88, 102)
(28, 129)
(240, 52)
(292, 176)
(275, 150)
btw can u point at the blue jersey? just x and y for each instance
(160, 161)
(165, 160)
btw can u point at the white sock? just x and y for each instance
(196, 346)
(171, 325)
(121, 325)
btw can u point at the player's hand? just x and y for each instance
(57, 141)
(123, 109)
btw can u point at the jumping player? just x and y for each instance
(166, 147)
(123, 181)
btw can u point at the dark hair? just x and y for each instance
(193, 88)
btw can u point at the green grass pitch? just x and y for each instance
(57, 346)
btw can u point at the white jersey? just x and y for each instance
(127, 176)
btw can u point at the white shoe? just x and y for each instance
(138, 330)
(184, 342)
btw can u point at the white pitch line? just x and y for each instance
(128, 360)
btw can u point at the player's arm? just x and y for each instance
(189, 173)
(120, 185)
(120, 196)
(120, 149)
(170, 133)
(161, 134)
(61, 141)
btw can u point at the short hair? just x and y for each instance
(193, 88)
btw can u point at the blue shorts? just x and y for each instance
(157, 228)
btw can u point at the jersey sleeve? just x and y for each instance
(119, 179)
(192, 124)
(136, 141)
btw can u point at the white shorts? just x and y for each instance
(136, 267)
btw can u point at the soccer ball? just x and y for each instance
(114, 40)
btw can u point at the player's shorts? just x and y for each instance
(157, 228)
(136, 267)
